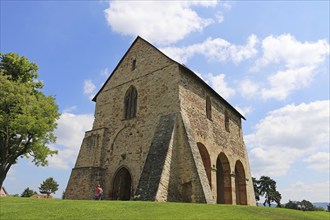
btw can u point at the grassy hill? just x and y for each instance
(28, 208)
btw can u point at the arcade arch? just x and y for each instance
(224, 194)
(240, 184)
(206, 161)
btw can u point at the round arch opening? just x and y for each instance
(240, 184)
(224, 191)
(122, 185)
(206, 161)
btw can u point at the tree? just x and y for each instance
(267, 188)
(48, 186)
(28, 192)
(256, 190)
(307, 205)
(291, 205)
(27, 116)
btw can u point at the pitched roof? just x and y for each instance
(181, 65)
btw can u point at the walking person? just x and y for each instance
(98, 192)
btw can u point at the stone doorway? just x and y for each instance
(240, 184)
(122, 185)
(224, 194)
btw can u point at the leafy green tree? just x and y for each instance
(307, 205)
(27, 116)
(48, 186)
(276, 197)
(267, 188)
(28, 192)
(256, 190)
(328, 206)
(291, 205)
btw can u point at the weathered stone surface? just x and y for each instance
(155, 155)
(153, 166)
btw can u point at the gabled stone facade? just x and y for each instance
(162, 134)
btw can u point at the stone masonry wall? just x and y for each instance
(212, 133)
(163, 88)
(155, 79)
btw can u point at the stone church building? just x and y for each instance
(160, 133)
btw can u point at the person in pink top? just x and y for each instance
(98, 192)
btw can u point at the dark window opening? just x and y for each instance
(208, 108)
(227, 121)
(133, 64)
(130, 103)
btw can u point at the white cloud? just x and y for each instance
(89, 88)
(244, 110)
(71, 128)
(272, 161)
(220, 18)
(314, 192)
(227, 5)
(295, 64)
(70, 133)
(293, 54)
(105, 72)
(289, 133)
(248, 88)
(160, 22)
(218, 83)
(215, 49)
(70, 109)
(284, 82)
(319, 161)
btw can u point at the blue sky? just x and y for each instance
(269, 59)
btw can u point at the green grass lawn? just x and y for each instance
(27, 208)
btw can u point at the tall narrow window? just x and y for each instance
(208, 108)
(133, 64)
(130, 102)
(227, 121)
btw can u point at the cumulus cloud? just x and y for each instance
(319, 161)
(284, 82)
(263, 160)
(248, 88)
(218, 83)
(216, 49)
(160, 22)
(89, 88)
(287, 50)
(70, 133)
(243, 110)
(105, 72)
(283, 132)
(295, 64)
(314, 191)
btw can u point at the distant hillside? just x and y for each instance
(321, 204)
(316, 204)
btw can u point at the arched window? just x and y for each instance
(130, 102)
(208, 108)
